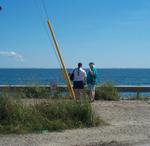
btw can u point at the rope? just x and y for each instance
(47, 32)
(58, 59)
(45, 28)
(46, 13)
(44, 7)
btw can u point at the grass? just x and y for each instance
(52, 115)
(36, 92)
(139, 97)
(107, 92)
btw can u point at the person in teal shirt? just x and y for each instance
(91, 80)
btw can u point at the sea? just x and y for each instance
(55, 76)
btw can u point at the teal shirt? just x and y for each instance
(91, 79)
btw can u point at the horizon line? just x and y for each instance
(73, 68)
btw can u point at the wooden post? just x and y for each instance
(66, 76)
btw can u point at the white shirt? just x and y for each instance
(81, 76)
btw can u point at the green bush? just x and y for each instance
(40, 92)
(36, 92)
(4, 92)
(27, 92)
(16, 117)
(54, 115)
(73, 114)
(107, 92)
(138, 97)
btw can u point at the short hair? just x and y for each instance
(91, 63)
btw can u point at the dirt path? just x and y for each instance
(129, 124)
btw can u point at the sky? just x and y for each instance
(110, 33)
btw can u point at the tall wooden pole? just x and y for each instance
(66, 76)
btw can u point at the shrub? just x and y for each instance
(18, 118)
(36, 92)
(41, 92)
(74, 114)
(53, 115)
(4, 92)
(138, 97)
(107, 92)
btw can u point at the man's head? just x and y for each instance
(79, 64)
(91, 64)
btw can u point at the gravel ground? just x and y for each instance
(129, 125)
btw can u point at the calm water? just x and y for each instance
(50, 76)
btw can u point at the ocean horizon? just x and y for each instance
(46, 76)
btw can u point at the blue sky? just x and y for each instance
(111, 33)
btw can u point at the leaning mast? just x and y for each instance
(66, 76)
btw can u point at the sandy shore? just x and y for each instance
(129, 125)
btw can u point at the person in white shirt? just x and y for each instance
(79, 78)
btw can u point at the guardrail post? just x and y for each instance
(138, 95)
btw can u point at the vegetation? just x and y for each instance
(52, 115)
(107, 92)
(34, 92)
(139, 97)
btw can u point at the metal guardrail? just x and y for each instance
(132, 88)
(120, 88)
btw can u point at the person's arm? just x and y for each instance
(85, 76)
(91, 72)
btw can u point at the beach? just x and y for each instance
(128, 124)
(52, 50)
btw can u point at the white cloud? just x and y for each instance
(12, 54)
